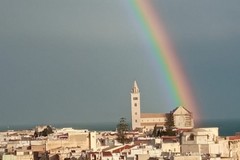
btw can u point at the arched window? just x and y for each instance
(191, 137)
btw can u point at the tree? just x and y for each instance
(157, 131)
(170, 121)
(122, 128)
(48, 130)
(170, 125)
(168, 131)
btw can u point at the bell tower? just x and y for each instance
(135, 106)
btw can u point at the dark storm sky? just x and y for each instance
(75, 61)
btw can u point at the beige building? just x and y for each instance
(170, 146)
(188, 157)
(19, 154)
(181, 117)
(18, 157)
(201, 140)
(230, 147)
(70, 138)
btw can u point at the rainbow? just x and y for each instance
(169, 64)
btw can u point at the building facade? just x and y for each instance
(201, 140)
(181, 117)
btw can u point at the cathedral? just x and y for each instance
(180, 116)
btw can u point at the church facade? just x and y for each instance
(180, 116)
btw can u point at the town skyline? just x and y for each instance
(69, 62)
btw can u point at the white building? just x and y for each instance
(181, 117)
(201, 140)
(69, 137)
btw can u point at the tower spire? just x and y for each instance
(135, 88)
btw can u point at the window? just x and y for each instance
(191, 137)
(135, 120)
(135, 98)
(135, 104)
(135, 113)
